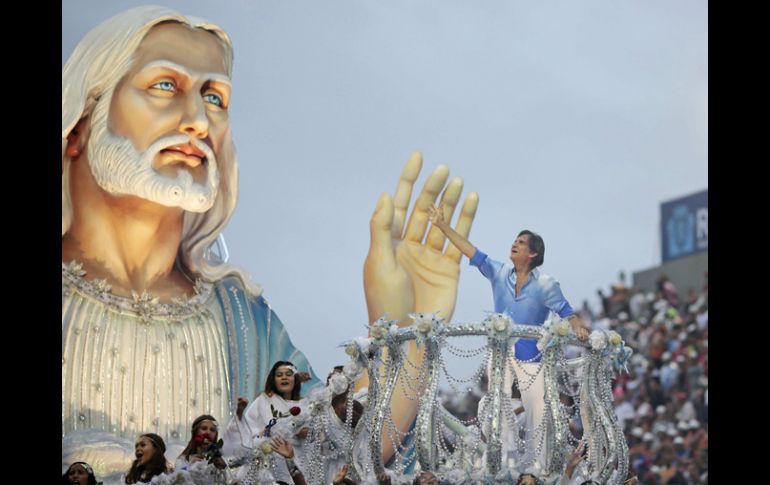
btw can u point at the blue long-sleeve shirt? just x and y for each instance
(539, 295)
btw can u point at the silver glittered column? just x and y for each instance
(555, 418)
(427, 447)
(496, 379)
(608, 450)
(380, 393)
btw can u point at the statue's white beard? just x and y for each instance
(121, 170)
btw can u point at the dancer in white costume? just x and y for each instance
(279, 401)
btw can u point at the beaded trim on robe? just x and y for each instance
(145, 306)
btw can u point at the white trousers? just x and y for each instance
(530, 377)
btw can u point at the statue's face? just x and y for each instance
(167, 121)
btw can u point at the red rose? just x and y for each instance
(198, 439)
(295, 410)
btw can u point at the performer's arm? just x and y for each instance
(555, 301)
(237, 435)
(461, 242)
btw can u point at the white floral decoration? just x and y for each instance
(181, 477)
(352, 350)
(426, 325)
(562, 328)
(499, 326)
(338, 384)
(598, 340)
(352, 370)
(614, 337)
(266, 448)
(379, 329)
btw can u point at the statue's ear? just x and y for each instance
(76, 140)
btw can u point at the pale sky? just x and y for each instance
(573, 119)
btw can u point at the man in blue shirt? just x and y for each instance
(527, 296)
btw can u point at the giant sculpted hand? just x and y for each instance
(406, 272)
(403, 273)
